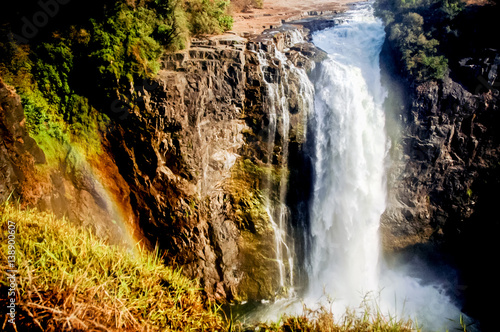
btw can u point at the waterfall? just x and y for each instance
(278, 111)
(349, 190)
(349, 151)
(348, 147)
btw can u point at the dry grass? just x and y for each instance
(69, 280)
(366, 319)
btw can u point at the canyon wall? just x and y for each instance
(447, 153)
(193, 168)
(445, 173)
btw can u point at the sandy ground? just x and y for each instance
(274, 11)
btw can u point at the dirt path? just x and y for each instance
(274, 11)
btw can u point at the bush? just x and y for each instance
(417, 40)
(68, 80)
(208, 16)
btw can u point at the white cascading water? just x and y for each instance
(349, 195)
(347, 128)
(279, 119)
(350, 148)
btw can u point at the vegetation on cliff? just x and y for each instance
(429, 37)
(74, 76)
(414, 30)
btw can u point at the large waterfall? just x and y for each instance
(349, 151)
(348, 148)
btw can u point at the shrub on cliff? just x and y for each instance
(415, 30)
(417, 50)
(69, 280)
(208, 16)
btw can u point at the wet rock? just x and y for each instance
(179, 152)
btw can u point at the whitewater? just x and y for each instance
(349, 153)
(350, 150)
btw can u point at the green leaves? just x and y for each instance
(208, 16)
(68, 80)
(408, 35)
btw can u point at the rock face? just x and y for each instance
(446, 173)
(75, 189)
(449, 147)
(190, 167)
(18, 151)
(194, 155)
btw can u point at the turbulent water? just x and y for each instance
(347, 130)
(350, 147)
(349, 151)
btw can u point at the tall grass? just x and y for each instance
(70, 280)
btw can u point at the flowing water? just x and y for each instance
(278, 112)
(347, 131)
(350, 147)
(349, 151)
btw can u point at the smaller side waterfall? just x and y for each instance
(278, 137)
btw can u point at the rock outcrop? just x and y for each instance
(91, 193)
(449, 147)
(18, 151)
(191, 166)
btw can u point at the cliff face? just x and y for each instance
(449, 153)
(91, 193)
(177, 149)
(18, 151)
(198, 150)
(445, 175)
(198, 166)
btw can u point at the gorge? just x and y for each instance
(294, 165)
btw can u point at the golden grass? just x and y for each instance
(366, 319)
(69, 280)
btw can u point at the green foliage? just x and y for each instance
(247, 195)
(413, 28)
(70, 280)
(123, 47)
(208, 16)
(54, 62)
(418, 52)
(452, 8)
(250, 186)
(67, 81)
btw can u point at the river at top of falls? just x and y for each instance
(349, 149)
